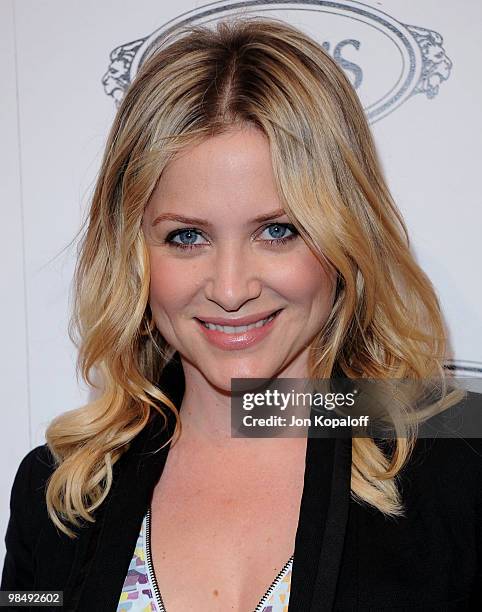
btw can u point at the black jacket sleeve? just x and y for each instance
(27, 503)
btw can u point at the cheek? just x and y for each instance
(168, 289)
(303, 279)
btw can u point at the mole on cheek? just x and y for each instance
(215, 592)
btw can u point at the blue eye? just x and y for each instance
(191, 235)
(188, 236)
(278, 231)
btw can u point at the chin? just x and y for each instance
(222, 377)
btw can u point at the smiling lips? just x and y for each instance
(246, 331)
(240, 320)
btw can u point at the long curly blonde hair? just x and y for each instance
(386, 320)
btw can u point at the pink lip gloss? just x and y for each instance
(239, 340)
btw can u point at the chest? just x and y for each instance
(220, 546)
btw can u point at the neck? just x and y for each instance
(206, 427)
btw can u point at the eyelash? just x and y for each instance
(277, 242)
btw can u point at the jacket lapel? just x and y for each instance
(322, 525)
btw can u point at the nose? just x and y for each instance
(234, 278)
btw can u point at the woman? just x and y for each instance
(240, 181)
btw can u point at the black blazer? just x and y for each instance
(347, 556)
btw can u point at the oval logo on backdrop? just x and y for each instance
(386, 61)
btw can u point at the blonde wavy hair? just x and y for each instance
(386, 320)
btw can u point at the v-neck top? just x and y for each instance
(140, 592)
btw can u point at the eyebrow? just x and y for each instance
(203, 223)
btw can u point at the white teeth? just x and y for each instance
(239, 329)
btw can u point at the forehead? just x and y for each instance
(232, 170)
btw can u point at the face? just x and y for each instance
(213, 257)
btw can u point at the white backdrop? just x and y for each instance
(415, 64)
